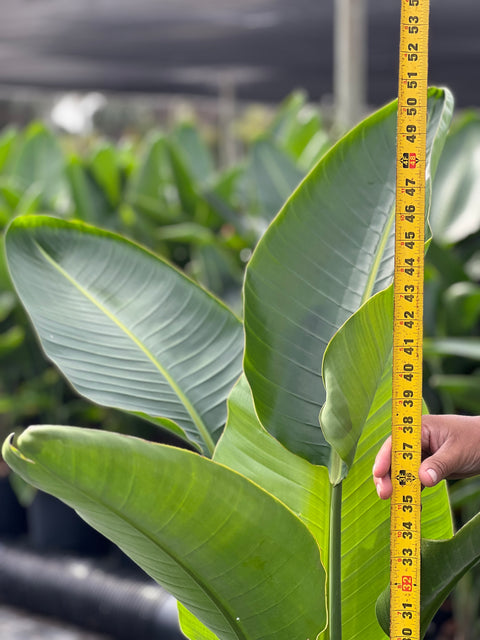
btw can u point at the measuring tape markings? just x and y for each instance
(408, 322)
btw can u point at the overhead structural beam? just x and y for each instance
(350, 62)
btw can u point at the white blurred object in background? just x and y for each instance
(74, 112)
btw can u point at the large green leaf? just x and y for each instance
(127, 329)
(305, 488)
(326, 253)
(248, 448)
(354, 362)
(455, 211)
(444, 562)
(237, 558)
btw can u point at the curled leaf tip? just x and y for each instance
(9, 449)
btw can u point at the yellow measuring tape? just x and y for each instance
(408, 322)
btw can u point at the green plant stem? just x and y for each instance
(335, 565)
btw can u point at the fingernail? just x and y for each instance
(378, 488)
(433, 475)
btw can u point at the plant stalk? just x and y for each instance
(335, 564)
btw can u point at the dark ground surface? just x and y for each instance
(266, 47)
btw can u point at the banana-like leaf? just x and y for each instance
(233, 555)
(326, 253)
(248, 448)
(127, 329)
(455, 212)
(353, 364)
(305, 488)
(444, 562)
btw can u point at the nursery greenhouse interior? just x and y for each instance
(240, 268)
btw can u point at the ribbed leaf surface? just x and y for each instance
(444, 563)
(305, 488)
(327, 252)
(127, 329)
(237, 558)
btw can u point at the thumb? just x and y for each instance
(437, 467)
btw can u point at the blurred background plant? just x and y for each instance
(168, 190)
(174, 190)
(452, 320)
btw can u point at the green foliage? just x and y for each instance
(165, 192)
(157, 506)
(167, 347)
(452, 318)
(332, 250)
(281, 534)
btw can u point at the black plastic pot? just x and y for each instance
(82, 593)
(53, 526)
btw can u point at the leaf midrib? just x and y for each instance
(197, 420)
(370, 284)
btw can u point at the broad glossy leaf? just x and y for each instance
(237, 558)
(127, 329)
(444, 562)
(366, 525)
(455, 210)
(326, 253)
(305, 488)
(354, 362)
(248, 448)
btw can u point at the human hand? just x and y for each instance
(450, 449)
